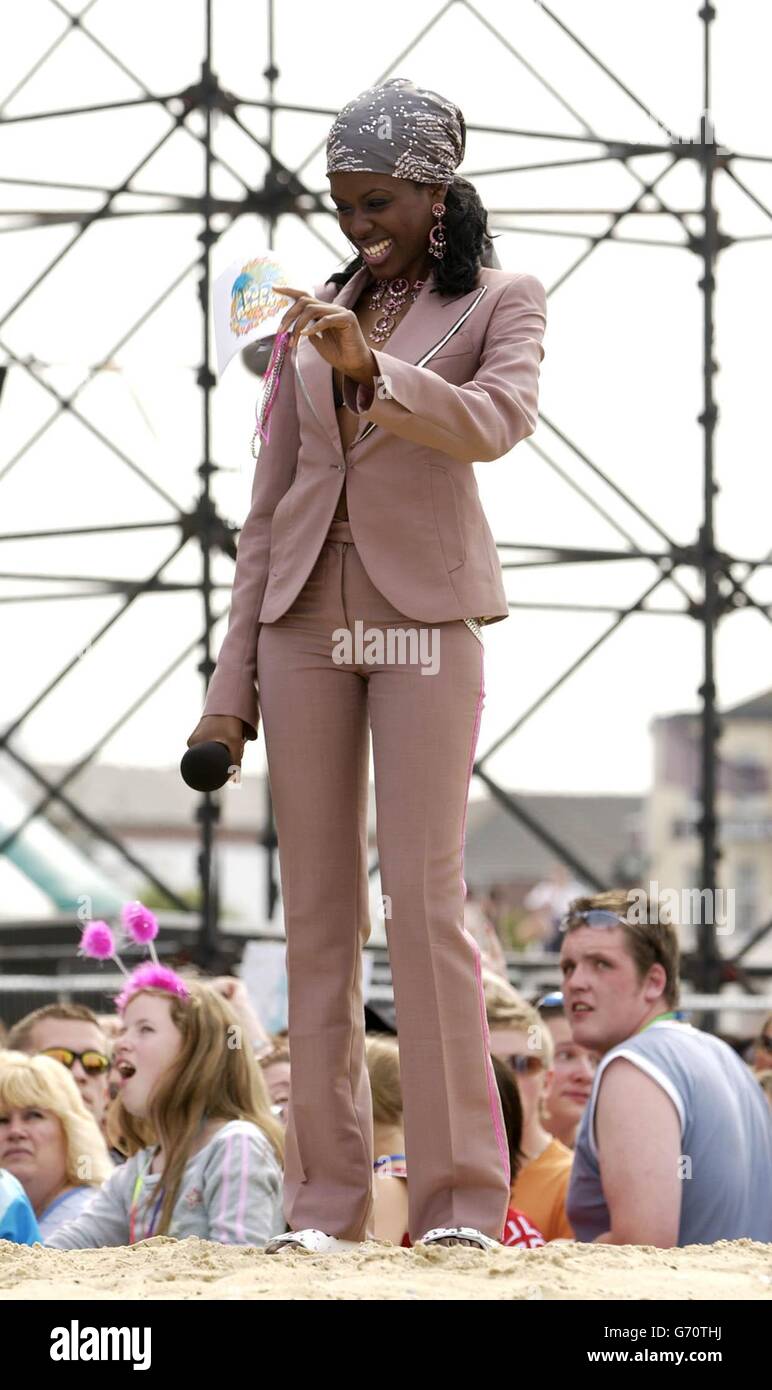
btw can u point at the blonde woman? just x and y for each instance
(523, 1041)
(390, 1190)
(49, 1140)
(275, 1066)
(205, 1152)
(390, 1206)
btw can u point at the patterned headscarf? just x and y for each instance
(398, 129)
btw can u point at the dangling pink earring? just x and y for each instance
(437, 239)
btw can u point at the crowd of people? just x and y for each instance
(624, 1124)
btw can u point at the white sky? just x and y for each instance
(622, 374)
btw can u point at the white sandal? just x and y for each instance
(312, 1241)
(460, 1232)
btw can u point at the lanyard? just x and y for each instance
(138, 1183)
(658, 1019)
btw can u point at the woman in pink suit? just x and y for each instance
(365, 571)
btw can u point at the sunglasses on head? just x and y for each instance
(553, 1000)
(94, 1063)
(594, 917)
(525, 1066)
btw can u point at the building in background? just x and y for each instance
(153, 813)
(744, 809)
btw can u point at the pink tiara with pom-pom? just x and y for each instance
(150, 976)
(98, 942)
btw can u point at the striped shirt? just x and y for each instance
(231, 1192)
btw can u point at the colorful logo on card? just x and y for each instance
(253, 299)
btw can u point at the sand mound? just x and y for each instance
(196, 1269)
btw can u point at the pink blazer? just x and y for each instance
(457, 384)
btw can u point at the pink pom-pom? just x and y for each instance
(150, 976)
(140, 922)
(97, 941)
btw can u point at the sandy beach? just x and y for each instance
(197, 1270)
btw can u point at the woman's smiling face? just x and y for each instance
(148, 1045)
(387, 219)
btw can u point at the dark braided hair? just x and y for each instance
(468, 243)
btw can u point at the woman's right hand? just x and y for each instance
(221, 728)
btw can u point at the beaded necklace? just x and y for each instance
(390, 296)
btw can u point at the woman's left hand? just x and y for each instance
(340, 341)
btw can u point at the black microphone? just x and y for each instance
(206, 766)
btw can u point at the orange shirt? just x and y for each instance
(541, 1188)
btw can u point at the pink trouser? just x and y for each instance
(318, 702)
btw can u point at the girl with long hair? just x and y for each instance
(204, 1150)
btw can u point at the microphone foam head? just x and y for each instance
(206, 766)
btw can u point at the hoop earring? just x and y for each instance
(437, 238)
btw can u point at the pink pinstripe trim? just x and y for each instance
(492, 1093)
(239, 1230)
(224, 1201)
(475, 736)
(242, 1204)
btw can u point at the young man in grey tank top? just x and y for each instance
(675, 1145)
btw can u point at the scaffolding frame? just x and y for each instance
(284, 192)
